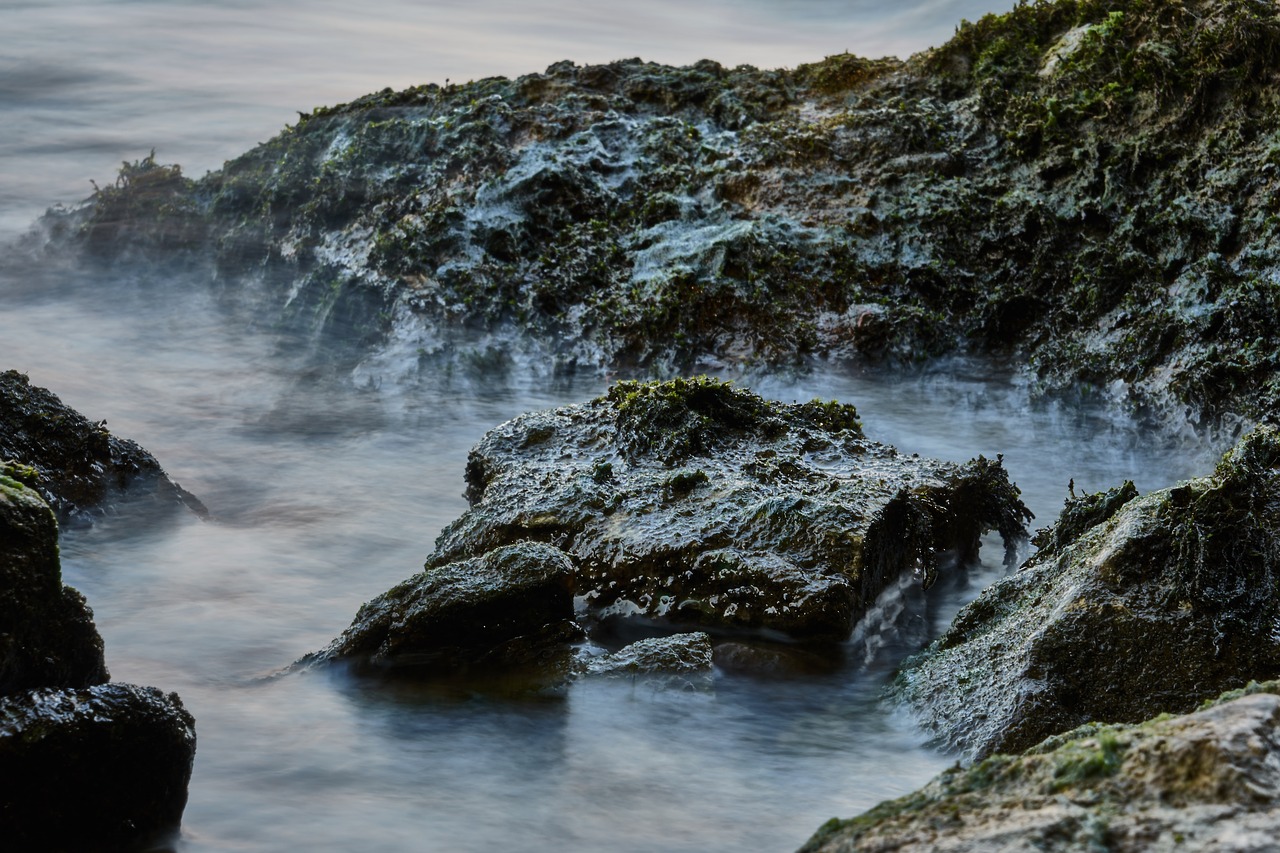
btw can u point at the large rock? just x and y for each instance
(47, 635)
(104, 768)
(1090, 183)
(1206, 781)
(668, 506)
(76, 465)
(1135, 606)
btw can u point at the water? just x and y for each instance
(324, 498)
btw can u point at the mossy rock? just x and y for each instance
(1138, 606)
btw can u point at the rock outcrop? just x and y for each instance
(1135, 606)
(681, 505)
(84, 764)
(76, 465)
(1088, 183)
(1205, 781)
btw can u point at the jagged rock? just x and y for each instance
(73, 463)
(103, 768)
(1206, 781)
(694, 504)
(47, 635)
(669, 506)
(1088, 183)
(510, 608)
(1137, 606)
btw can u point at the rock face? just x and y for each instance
(1135, 606)
(678, 505)
(1206, 781)
(101, 768)
(75, 464)
(84, 765)
(1089, 183)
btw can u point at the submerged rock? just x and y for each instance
(1089, 184)
(76, 465)
(1136, 606)
(1206, 781)
(678, 505)
(678, 654)
(103, 768)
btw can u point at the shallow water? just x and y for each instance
(324, 498)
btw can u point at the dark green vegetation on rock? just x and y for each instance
(1173, 783)
(1088, 183)
(1138, 606)
(76, 465)
(102, 768)
(687, 504)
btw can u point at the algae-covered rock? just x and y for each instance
(508, 609)
(73, 463)
(692, 503)
(47, 635)
(103, 768)
(677, 654)
(1088, 183)
(1149, 604)
(1206, 781)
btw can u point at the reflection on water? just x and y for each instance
(323, 498)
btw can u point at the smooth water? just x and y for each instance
(324, 498)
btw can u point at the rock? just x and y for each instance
(48, 637)
(74, 464)
(1136, 606)
(509, 609)
(1087, 185)
(677, 654)
(692, 504)
(1205, 781)
(102, 768)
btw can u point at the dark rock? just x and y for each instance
(693, 504)
(47, 635)
(103, 768)
(74, 464)
(1204, 781)
(510, 609)
(1142, 605)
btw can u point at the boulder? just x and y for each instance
(76, 465)
(1209, 780)
(1135, 606)
(48, 637)
(101, 768)
(665, 507)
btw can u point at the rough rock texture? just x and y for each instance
(666, 506)
(75, 464)
(1135, 606)
(510, 608)
(47, 635)
(1092, 183)
(104, 768)
(692, 503)
(678, 654)
(1205, 781)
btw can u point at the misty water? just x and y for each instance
(322, 497)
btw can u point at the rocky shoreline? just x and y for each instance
(1086, 187)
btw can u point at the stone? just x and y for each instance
(1136, 606)
(1209, 780)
